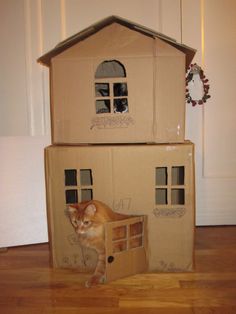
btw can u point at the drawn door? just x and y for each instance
(126, 247)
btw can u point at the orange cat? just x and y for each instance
(88, 219)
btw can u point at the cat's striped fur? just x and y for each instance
(88, 219)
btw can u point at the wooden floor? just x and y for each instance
(28, 285)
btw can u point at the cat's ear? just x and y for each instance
(91, 210)
(70, 210)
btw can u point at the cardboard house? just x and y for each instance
(156, 181)
(118, 82)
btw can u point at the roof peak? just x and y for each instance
(94, 28)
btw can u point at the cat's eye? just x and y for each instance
(86, 222)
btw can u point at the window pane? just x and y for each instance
(119, 233)
(177, 174)
(161, 196)
(136, 228)
(119, 246)
(161, 176)
(86, 177)
(71, 196)
(120, 89)
(135, 242)
(102, 89)
(103, 106)
(121, 105)
(111, 68)
(177, 197)
(70, 177)
(86, 195)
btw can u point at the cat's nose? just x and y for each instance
(80, 230)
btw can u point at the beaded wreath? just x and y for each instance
(196, 76)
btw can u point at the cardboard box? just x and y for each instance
(152, 180)
(118, 82)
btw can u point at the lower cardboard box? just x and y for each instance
(152, 181)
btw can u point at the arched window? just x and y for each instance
(111, 91)
(110, 68)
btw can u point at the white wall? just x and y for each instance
(31, 27)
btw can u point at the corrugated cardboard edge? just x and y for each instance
(49, 220)
(50, 225)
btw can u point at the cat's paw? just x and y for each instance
(94, 281)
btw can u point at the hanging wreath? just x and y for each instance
(197, 86)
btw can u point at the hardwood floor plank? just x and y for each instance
(29, 286)
(206, 284)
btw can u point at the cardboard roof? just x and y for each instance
(94, 28)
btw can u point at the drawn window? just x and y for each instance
(78, 185)
(111, 90)
(170, 185)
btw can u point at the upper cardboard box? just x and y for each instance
(118, 82)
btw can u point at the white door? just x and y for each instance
(24, 125)
(30, 28)
(209, 26)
